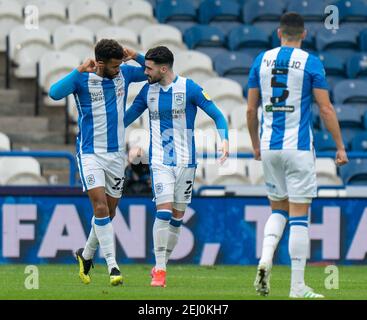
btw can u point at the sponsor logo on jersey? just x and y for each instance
(158, 188)
(167, 114)
(96, 95)
(90, 180)
(272, 108)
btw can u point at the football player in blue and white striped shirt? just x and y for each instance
(100, 89)
(285, 79)
(172, 102)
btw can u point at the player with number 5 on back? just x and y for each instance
(286, 79)
(172, 102)
(100, 90)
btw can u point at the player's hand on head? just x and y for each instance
(129, 54)
(341, 157)
(225, 151)
(89, 65)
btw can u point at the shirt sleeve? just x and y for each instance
(201, 99)
(254, 77)
(137, 108)
(65, 86)
(140, 59)
(317, 71)
(134, 74)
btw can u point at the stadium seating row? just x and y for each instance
(26, 46)
(92, 14)
(96, 14)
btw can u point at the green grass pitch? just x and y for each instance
(184, 282)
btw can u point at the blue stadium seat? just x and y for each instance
(323, 141)
(310, 10)
(207, 39)
(155, 3)
(359, 142)
(235, 66)
(226, 26)
(267, 26)
(350, 91)
(313, 27)
(169, 10)
(363, 40)
(365, 120)
(358, 26)
(342, 42)
(182, 25)
(202, 35)
(334, 67)
(349, 134)
(241, 79)
(352, 10)
(247, 37)
(333, 64)
(262, 10)
(307, 44)
(357, 66)
(354, 172)
(219, 10)
(349, 116)
(233, 63)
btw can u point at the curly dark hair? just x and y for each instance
(107, 49)
(160, 55)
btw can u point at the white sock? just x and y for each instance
(91, 245)
(273, 232)
(298, 249)
(160, 237)
(104, 231)
(174, 229)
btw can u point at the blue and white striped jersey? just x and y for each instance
(172, 112)
(101, 104)
(285, 77)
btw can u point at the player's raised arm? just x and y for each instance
(137, 108)
(131, 73)
(69, 83)
(203, 101)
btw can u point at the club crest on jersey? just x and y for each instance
(158, 188)
(179, 98)
(90, 180)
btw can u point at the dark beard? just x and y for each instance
(154, 81)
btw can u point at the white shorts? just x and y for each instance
(172, 184)
(290, 174)
(103, 170)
